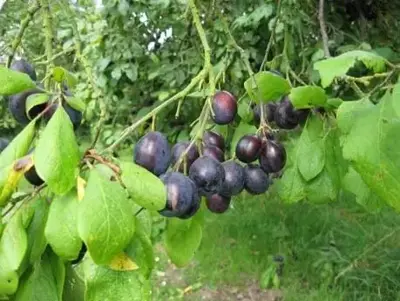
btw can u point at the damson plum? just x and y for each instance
(17, 106)
(248, 148)
(208, 175)
(195, 204)
(212, 138)
(24, 67)
(177, 151)
(74, 115)
(256, 180)
(234, 179)
(181, 195)
(285, 115)
(269, 111)
(214, 152)
(152, 152)
(224, 106)
(3, 143)
(218, 203)
(273, 157)
(302, 115)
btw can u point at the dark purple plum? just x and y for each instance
(224, 107)
(285, 115)
(218, 203)
(17, 106)
(24, 67)
(234, 179)
(273, 157)
(214, 152)
(3, 143)
(256, 180)
(195, 204)
(302, 115)
(152, 152)
(81, 254)
(248, 148)
(74, 115)
(269, 111)
(212, 138)
(32, 177)
(208, 175)
(181, 194)
(177, 151)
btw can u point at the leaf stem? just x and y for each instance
(24, 25)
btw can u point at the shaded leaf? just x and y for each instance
(34, 100)
(76, 103)
(290, 187)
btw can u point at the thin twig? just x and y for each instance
(48, 33)
(272, 37)
(24, 25)
(322, 26)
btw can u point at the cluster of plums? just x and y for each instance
(17, 108)
(201, 170)
(17, 102)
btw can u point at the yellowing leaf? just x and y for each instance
(122, 262)
(81, 185)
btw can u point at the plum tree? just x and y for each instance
(23, 66)
(214, 152)
(208, 175)
(248, 148)
(74, 115)
(256, 180)
(212, 138)
(234, 179)
(224, 107)
(269, 110)
(178, 149)
(217, 203)
(17, 106)
(273, 157)
(3, 143)
(182, 195)
(152, 152)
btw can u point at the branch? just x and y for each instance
(206, 71)
(322, 26)
(24, 25)
(48, 33)
(272, 37)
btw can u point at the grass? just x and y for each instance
(331, 251)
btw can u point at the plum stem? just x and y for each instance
(24, 25)
(49, 36)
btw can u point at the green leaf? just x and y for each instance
(290, 187)
(240, 131)
(36, 239)
(45, 282)
(9, 281)
(338, 66)
(334, 103)
(371, 145)
(105, 284)
(57, 154)
(396, 98)
(144, 188)
(311, 149)
(245, 111)
(350, 111)
(13, 82)
(267, 87)
(183, 238)
(61, 228)
(19, 146)
(321, 189)
(105, 219)
(307, 97)
(76, 103)
(13, 244)
(353, 183)
(74, 288)
(35, 100)
(62, 75)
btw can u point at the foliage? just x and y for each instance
(129, 69)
